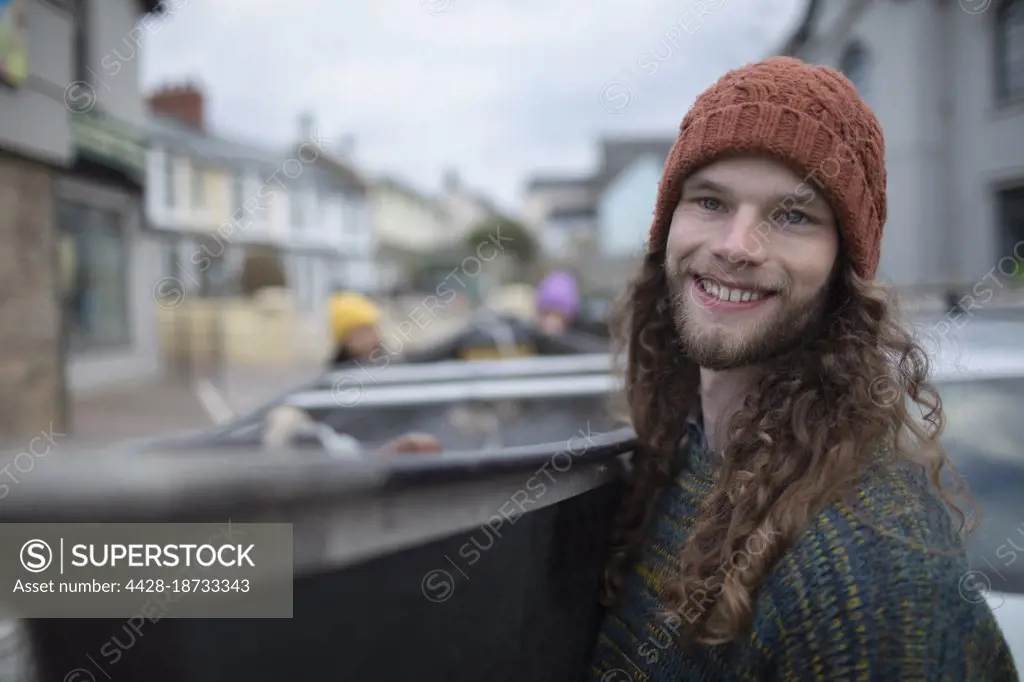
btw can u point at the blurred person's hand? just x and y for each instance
(412, 444)
(286, 425)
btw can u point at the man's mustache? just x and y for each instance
(732, 277)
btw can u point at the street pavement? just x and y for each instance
(165, 407)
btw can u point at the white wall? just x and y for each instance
(464, 213)
(929, 58)
(247, 226)
(34, 118)
(891, 33)
(904, 98)
(117, 35)
(407, 221)
(250, 223)
(360, 243)
(182, 214)
(334, 247)
(989, 146)
(334, 219)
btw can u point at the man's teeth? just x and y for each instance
(727, 294)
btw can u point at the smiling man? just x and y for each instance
(717, 269)
(785, 519)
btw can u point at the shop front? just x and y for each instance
(108, 265)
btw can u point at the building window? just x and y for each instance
(352, 216)
(346, 227)
(297, 279)
(855, 65)
(309, 271)
(213, 278)
(208, 258)
(170, 182)
(81, 41)
(198, 186)
(96, 297)
(237, 193)
(172, 261)
(1010, 50)
(1010, 207)
(297, 205)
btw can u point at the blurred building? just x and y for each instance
(468, 211)
(411, 228)
(196, 203)
(71, 181)
(332, 231)
(211, 200)
(599, 223)
(626, 186)
(466, 208)
(946, 79)
(562, 212)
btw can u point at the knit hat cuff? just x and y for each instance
(819, 155)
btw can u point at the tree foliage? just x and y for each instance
(261, 269)
(509, 235)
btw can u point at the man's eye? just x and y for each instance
(795, 218)
(709, 204)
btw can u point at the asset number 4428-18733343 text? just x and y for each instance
(159, 586)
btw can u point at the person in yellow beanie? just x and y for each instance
(355, 330)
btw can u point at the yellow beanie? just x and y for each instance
(349, 311)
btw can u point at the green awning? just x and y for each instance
(105, 140)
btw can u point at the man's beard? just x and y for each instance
(796, 323)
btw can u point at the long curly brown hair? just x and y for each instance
(801, 440)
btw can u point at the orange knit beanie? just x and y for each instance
(809, 117)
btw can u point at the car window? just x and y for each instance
(984, 437)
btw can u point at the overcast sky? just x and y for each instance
(498, 89)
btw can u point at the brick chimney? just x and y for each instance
(181, 102)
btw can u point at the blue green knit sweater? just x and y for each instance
(850, 601)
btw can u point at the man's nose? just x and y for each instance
(741, 241)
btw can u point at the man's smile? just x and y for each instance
(711, 293)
